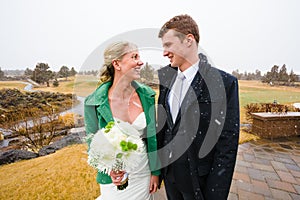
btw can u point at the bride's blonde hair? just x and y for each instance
(114, 51)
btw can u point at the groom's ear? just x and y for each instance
(189, 39)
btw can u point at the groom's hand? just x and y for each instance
(117, 177)
(153, 184)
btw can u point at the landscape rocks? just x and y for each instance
(11, 156)
(73, 138)
(76, 136)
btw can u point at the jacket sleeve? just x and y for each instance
(220, 176)
(90, 120)
(152, 143)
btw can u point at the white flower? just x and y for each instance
(118, 140)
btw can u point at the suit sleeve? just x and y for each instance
(220, 176)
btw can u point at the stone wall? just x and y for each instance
(276, 125)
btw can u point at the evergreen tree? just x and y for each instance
(1, 74)
(293, 77)
(42, 74)
(64, 72)
(283, 75)
(147, 72)
(28, 73)
(73, 72)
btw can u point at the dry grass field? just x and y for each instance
(62, 175)
(12, 85)
(81, 85)
(66, 175)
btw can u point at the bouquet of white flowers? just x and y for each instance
(115, 147)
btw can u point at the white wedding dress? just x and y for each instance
(139, 179)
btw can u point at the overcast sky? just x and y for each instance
(244, 35)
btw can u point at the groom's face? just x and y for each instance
(174, 48)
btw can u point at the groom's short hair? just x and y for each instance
(183, 24)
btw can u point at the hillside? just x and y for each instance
(62, 175)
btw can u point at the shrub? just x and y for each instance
(67, 119)
(55, 83)
(268, 107)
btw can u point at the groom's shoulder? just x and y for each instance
(166, 73)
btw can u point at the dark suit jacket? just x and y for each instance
(206, 132)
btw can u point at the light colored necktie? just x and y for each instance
(177, 95)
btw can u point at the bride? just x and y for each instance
(121, 97)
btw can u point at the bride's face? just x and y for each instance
(130, 65)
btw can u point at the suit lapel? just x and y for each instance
(197, 86)
(167, 77)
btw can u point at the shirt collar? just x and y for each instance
(190, 72)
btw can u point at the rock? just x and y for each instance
(11, 156)
(75, 137)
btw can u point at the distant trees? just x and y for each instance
(89, 72)
(1, 74)
(247, 75)
(73, 72)
(64, 72)
(279, 76)
(28, 73)
(147, 72)
(293, 77)
(42, 74)
(276, 76)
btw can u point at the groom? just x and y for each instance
(198, 118)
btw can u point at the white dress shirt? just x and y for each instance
(189, 75)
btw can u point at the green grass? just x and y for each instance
(254, 95)
(257, 92)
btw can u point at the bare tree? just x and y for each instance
(36, 127)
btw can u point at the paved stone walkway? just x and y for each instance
(265, 169)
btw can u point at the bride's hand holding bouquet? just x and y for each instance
(115, 150)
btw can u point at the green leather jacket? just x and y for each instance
(97, 114)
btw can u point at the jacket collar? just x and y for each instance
(99, 98)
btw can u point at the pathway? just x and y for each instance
(266, 170)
